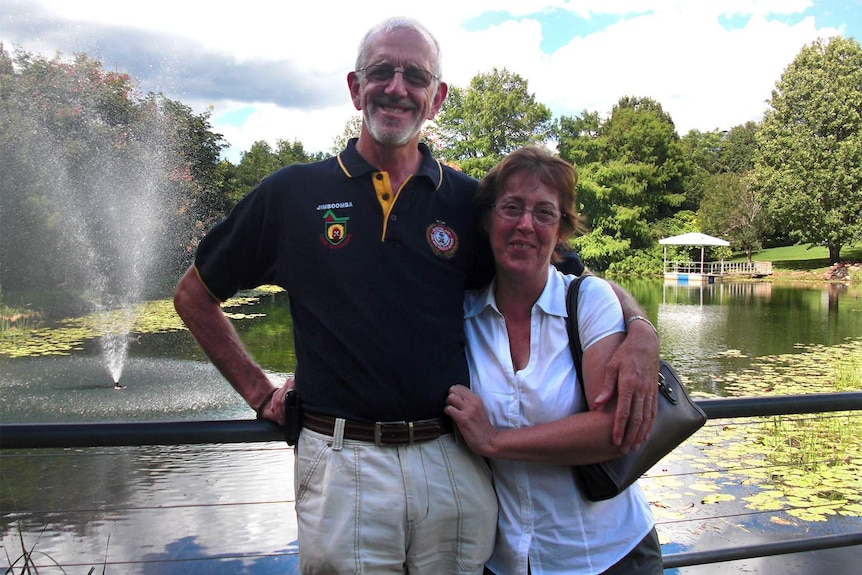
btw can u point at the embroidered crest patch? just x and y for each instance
(442, 239)
(335, 230)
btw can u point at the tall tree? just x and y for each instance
(737, 149)
(717, 152)
(261, 160)
(578, 138)
(730, 209)
(702, 151)
(720, 169)
(94, 172)
(495, 115)
(294, 153)
(631, 176)
(258, 162)
(808, 166)
(639, 132)
(352, 128)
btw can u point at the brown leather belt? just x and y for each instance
(382, 432)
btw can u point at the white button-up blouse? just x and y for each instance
(543, 516)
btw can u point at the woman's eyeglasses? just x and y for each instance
(383, 73)
(543, 215)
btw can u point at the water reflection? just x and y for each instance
(711, 330)
(229, 509)
(207, 509)
(60, 389)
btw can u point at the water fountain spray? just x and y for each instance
(87, 160)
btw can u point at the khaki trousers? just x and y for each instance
(424, 509)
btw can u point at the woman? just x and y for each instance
(525, 411)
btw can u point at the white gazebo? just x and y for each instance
(694, 271)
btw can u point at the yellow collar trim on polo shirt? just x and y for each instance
(385, 195)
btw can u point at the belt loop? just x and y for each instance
(378, 433)
(338, 434)
(410, 432)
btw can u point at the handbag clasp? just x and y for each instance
(665, 388)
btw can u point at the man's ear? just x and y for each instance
(355, 86)
(439, 96)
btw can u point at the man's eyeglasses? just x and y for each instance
(383, 73)
(543, 216)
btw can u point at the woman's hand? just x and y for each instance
(468, 412)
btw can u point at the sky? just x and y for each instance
(270, 70)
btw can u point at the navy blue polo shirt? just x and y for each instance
(375, 281)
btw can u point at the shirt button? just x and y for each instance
(378, 176)
(385, 197)
(393, 218)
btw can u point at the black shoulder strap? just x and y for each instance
(572, 329)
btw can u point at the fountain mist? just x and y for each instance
(89, 164)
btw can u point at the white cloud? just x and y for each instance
(289, 60)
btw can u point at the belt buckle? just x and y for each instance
(378, 431)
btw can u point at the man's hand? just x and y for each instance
(273, 409)
(632, 375)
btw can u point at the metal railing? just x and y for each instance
(64, 435)
(719, 268)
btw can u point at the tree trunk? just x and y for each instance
(834, 253)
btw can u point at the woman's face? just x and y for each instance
(522, 247)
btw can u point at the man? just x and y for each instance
(375, 248)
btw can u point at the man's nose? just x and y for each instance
(397, 82)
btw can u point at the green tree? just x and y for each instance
(579, 140)
(808, 166)
(294, 153)
(631, 172)
(200, 184)
(730, 209)
(258, 162)
(716, 152)
(495, 115)
(639, 132)
(720, 168)
(261, 160)
(352, 128)
(87, 161)
(737, 149)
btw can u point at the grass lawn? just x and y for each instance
(802, 258)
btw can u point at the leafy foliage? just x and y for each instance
(809, 161)
(495, 115)
(795, 177)
(730, 209)
(631, 172)
(261, 160)
(81, 148)
(352, 128)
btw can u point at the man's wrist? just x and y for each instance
(265, 403)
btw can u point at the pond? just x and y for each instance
(229, 508)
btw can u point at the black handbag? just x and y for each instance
(677, 418)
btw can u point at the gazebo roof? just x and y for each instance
(694, 239)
